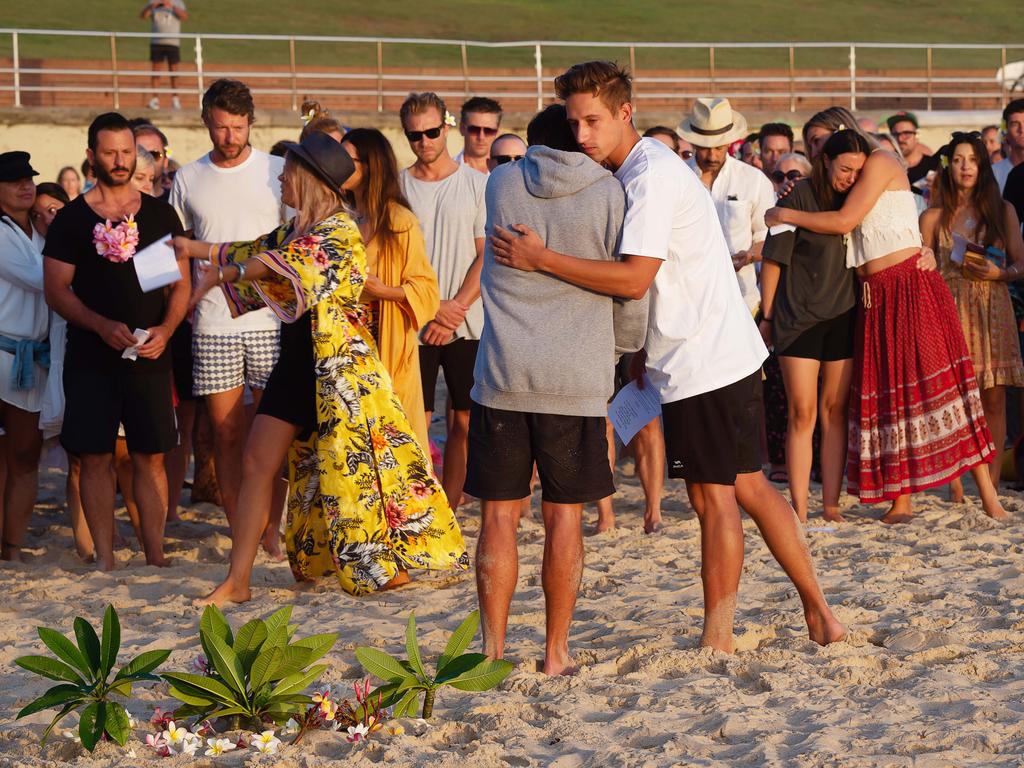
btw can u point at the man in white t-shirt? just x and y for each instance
(1013, 133)
(703, 350)
(448, 199)
(479, 121)
(232, 193)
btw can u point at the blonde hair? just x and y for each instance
(315, 201)
(418, 103)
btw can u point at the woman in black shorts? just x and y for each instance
(809, 306)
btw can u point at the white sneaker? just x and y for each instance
(176, 103)
(154, 103)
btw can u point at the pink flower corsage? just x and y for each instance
(118, 243)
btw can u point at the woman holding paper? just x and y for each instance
(971, 212)
(364, 506)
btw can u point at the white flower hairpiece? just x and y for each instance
(449, 119)
(944, 161)
(306, 118)
(842, 127)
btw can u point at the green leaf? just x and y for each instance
(92, 723)
(88, 644)
(292, 660)
(412, 647)
(189, 710)
(265, 663)
(298, 682)
(212, 622)
(408, 704)
(248, 641)
(226, 662)
(276, 638)
(194, 701)
(117, 726)
(68, 709)
(460, 640)
(111, 643)
(383, 665)
(142, 665)
(227, 712)
(50, 668)
(64, 649)
(317, 645)
(124, 687)
(59, 694)
(279, 620)
(200, 685)
(482, 677)
(458, 666)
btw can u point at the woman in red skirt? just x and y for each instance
(916, 419)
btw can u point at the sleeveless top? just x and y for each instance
(891, 225)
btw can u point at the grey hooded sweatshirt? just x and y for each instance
(549, 346)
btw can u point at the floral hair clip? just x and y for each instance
(449, 119)
(842, 127)
(944, 161)
(308, 117)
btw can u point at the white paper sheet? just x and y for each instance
(132, 353)
(633, 409)
(778, 229)
(156, 266)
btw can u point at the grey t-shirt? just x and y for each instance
(453, 215)
(167, 26)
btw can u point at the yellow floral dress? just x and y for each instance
(363, 501)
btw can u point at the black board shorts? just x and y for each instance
(457, 359)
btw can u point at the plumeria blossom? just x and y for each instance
(266, 742)
(328, 709)
(160, 719)
(357, 733)
(290, 727)
(219, 746)
(73, 735)
(190, 744)
(174, 735)
(156, 742)
(201, 666)
(395, 730)
(118, 243)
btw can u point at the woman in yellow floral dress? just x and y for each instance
(364, 505)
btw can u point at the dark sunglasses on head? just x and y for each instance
(480, 130)
(966, 135)
(430, 133)
(502, 159)
(686, 154)
(778, 176)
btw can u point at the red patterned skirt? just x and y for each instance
(915, 409)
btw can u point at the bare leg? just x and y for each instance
(695, 492)
(987, 491)
(497, 570)
(993, 403)
(833, 407)
(455, 452)
(265, 452)
(956, 491)
(781, 531)
(227, 415)
(177, 457)
(272, 535)
(73, 499)
(149, 481)
(124, 469)
(605, 508)
(561, 573)
(98, 490)
(649, 448)
(721, 561)
(900, 512)
(801, 378)
(24, 443)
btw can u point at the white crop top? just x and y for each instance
(891, 225)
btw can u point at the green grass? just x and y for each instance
(948, 21)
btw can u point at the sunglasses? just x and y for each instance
(480, 130)
(502, 159)
(966, 136)
(778, 176)
(686, 154)
(158, 153)
(900, 134)
(430, 133)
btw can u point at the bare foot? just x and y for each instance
(899, 512)
(824, 629)
(995, 510)
(801, 516)
(833, 515)
(104, 565)
(272, 546)
(604, 524)
(652, 524)
(12, 554)
(161, 562)
(400, 580)
(719, 644)
(956, 491)
(559, 664)
(226, 593)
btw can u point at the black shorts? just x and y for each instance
(181, 360)
(826, 341)
(291, 389)
(96, 402)
(713, 437)
(158, 53)
(571, 453)
(456, 360)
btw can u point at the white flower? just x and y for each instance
(131, 719)
(290, 727)
(174, 735)
(357, 733)
(266, 742)
(190, 744)
(219, 746)
(73, 735)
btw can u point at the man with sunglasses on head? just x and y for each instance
(507, 148)
(479, 121)
(448, 199)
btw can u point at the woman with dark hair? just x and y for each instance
(969, 206)
(363, 503)
(916, 419)
(809, 308)
(400, 294)
(70, 180)
(316, 119)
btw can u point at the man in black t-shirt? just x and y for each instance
(919, 158)
(104, 304)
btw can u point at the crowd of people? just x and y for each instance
(831, 304)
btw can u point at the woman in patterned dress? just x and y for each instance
(364, 505)
(970, 206)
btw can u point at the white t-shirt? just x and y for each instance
(700, 335)
(742, 195)
(1001, 170)
(226, 205)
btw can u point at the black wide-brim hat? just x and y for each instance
(325, 157)
(15, 166)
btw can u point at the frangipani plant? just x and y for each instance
(404, 680)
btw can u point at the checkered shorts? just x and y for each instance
(221, 363)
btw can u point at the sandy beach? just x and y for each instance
(932, 674)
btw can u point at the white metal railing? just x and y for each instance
(372, 83)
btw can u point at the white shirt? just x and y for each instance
(742, 195)
(226, 205)
(1002, 171)
(700, 335)
(23, 310)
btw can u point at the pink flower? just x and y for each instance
(420, 490)
(395, 513)
(118, 243)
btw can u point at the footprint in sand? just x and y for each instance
(915, 640)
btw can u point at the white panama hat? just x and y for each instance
(712, 123)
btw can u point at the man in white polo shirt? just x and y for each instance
(232, 193)
(703, 351)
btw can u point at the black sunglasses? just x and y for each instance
(480, 130)
(430, 133)
(502, 159)
(778, 176)
(966, 135)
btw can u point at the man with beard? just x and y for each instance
(232, 193)
(112, 375)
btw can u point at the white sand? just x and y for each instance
(933, 673)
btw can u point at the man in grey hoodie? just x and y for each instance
(543, 377)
